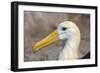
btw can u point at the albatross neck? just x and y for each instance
(70, 50)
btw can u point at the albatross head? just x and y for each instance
(65, 30)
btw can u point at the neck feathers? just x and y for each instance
(70, 50)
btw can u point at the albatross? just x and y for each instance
(67, 31)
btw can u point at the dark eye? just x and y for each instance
(64, 28)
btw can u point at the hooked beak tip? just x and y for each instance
(34, 49)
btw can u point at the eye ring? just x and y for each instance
(64, 28)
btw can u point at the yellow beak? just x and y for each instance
(53, 37)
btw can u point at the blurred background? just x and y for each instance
(38, 25)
